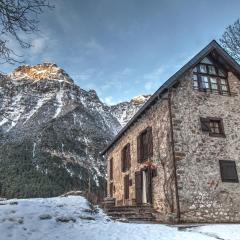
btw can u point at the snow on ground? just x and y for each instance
(72, 218)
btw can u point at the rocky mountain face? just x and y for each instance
(52, 131)
(126, 110)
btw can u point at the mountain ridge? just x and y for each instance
(51, 133)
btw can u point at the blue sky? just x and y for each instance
(124, 48)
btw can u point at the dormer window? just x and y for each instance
(210, 78)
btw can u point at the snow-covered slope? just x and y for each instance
(125, 111)
(51, 133)
(72, 218)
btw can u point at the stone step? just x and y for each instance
(117, 214)
(129, 210)
(135, 219)
(132, 213)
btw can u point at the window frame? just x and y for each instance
(209, 76)
(205, 126)
(223, 178)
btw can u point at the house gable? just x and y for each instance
(212, 50)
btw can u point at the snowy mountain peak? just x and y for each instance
(48, 71)
(124, 111)
(140, 99)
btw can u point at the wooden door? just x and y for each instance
(126, 187)
(149, 185)
(138, 187)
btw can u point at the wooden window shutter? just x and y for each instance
(139, 149)
(228, 171)
(221, 127)
(111, 169)
(128, 156)
(123, 159)
(138, 187)
(150, 142)
(205, 124)
(126, 187)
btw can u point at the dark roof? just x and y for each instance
(211, 47)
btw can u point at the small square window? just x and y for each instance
(214, 85)
(203, 68)
(204, 82)
(195, 70)
(214, 126)
(211, 70)
(222, 73)
(228, 171)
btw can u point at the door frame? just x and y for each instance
(139, 186)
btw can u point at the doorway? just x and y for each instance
(143, 187)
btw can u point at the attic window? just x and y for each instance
(209, 77)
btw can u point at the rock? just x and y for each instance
(65, 219)
(87, 218)
(60, 205)
(45, 216)
(72, 193)
(91, 211)
(20, 220)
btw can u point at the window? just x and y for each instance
(228, 171)
(214, 126)
(145, 145)
(111, 169)
(208, 77)
(126, 158)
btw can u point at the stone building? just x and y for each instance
(180, 152)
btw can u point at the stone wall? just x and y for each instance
(202, 194)
(163, 184)
(203, 197)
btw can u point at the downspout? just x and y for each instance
(173, 154)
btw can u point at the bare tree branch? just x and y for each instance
(18, 17)
(231, 40)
